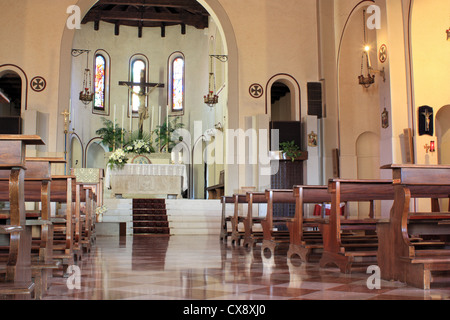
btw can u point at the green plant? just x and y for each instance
(290, 149)
(111, 134)
(164, 134)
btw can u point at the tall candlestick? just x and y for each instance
(131, 118)
(159, 123)
(167, 128)
(151, 121)
(114, 117)
(123, 114)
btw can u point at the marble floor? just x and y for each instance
(202, 268)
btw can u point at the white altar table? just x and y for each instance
(147, 179)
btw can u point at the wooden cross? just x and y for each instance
(143, 111)
(142, 84)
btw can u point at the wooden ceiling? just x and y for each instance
(148, 14)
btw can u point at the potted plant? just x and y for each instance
(290, 150)
(111, 134)
(164, 135)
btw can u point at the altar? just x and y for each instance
(147, 180)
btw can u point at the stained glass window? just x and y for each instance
(100, 80)
(138, 67)
(178, 84)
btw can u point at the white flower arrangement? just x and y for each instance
(139, 147)
(118, 158)
(99, 211)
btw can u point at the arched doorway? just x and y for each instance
(368, 159)
(76, 153)
(443, 135)
(280, 102)
(443, 142)
(95, 155)
(13, 97)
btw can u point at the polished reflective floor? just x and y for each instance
(202, 268)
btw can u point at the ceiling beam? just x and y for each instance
(155, 3)
(199, 21)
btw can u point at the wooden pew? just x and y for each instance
(88, 178)
(18, 267)
(251, 237)
(226, 219)
(414, 245)
(38, 174)
(304, 233)
(62, 191)
(88, 219)
(236, 219)
(346, 240)
(271, 237)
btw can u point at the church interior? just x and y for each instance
(224, 150)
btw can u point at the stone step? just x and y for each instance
(151, 224)
(144, 217)
(147, 230)
(149, 211)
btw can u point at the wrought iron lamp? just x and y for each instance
(86, 95)
(367, 80)
(212, 98)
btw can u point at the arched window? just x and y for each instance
(138, 70)
(101, 82)
(99, 96)
(176, 82)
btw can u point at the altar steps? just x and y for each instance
(150, 216)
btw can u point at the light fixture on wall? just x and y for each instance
(367, 80)
(86, 95)
(212, 98)
(448, 34)
(430, 148)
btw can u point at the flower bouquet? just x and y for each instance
(139, 146)
(99, 212)
(117, 159)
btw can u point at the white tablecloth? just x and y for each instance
(136, 172)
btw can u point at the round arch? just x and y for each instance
(94, 154)
(225, 26)
(76, 152)
(443, 134)
(294, 88)
(6, 68)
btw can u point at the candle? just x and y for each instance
(159, 122)
(131, 119)
(114, 115)
(151, 121)
(167, 128)
(123, 114)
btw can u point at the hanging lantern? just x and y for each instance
(366, 80)
(212, 98)
(86, 96)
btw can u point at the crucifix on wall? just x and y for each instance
(145, 90)
(426, 121)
